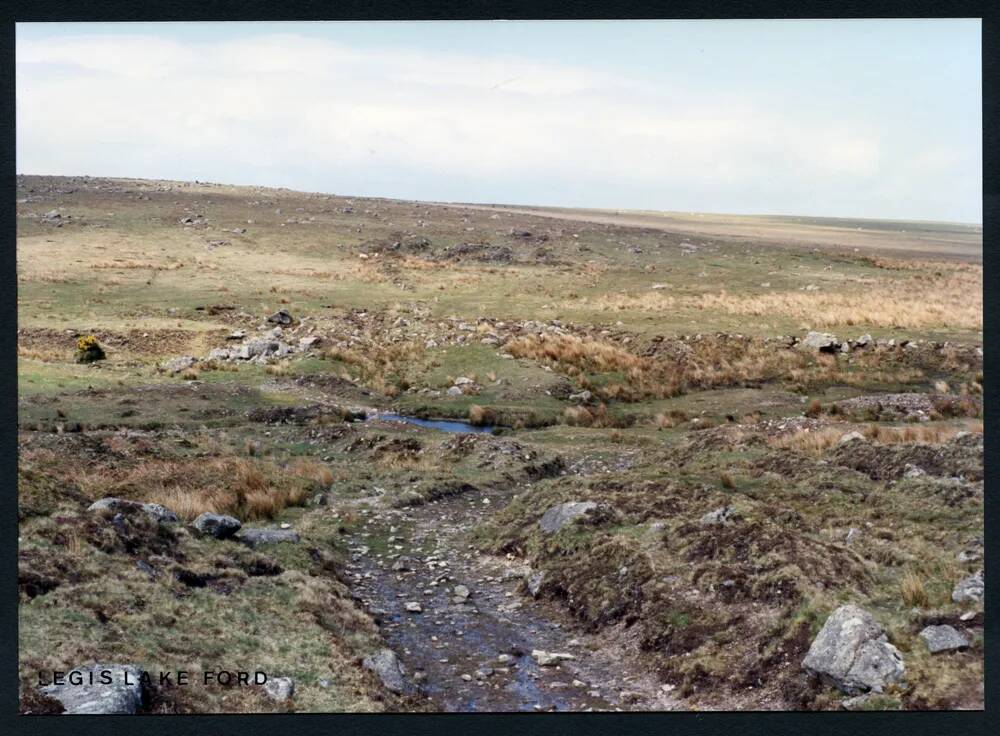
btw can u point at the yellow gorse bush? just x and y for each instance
(86, 344)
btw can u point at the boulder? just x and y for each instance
(719, 517)
(403, 564)
(281, 317)
(863, 341)
(463, 381)
(969, 589)
(850, 437)
(258, 537)
(549, 659)
(387, 667)
(161, 513)
(534, 581)
(217, 525)
(413, 607)
(943, 639)
(309, 342)
(94, 696)
(461, 591)
(852, 653)
(177, 365)
(454, 391)
(279, 688)
(219, 354)
(821, 341)
(559, 516)
(258, 347)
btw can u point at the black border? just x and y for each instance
(886, 724)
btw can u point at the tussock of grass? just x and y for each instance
(246, 488)
(912, 590)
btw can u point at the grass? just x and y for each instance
(817, 441)
(697, 403)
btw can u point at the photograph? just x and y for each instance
(498, 366)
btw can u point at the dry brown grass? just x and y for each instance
(578, 416)
(46, 355)
(243, 487)
(912, 590)
(574, 356)
(482, 415)
(708, 363)
(130, 264)
(672, 418)
(815, 442)
(938, 295)
(383, 368)
(282, 368)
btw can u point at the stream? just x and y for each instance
(476, 654)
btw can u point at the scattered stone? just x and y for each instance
(853, 653)
(217, 525)
(454, 391)
(549, 659)
(943, 639)
(386, 665)
(258, 537)
(534, 581)
(403, 564)
(461, 591)
(413, 607)
(178, 365)
(969, 589)
(93, 697)
(858, 702)
(161, 513)
(279, 688)
(281, 317)
(821, 341)
(559, 516)
(463, 381)
(718, 517)
(850, 437)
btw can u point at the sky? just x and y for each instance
(849, 118)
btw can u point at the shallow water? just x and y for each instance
(445, 425)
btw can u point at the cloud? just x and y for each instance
(317, 114)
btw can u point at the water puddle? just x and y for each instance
(444, 425)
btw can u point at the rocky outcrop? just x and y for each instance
(387, 667)
(852, 653)
(258, 537)
(116, 505)
(943, 639)
(969, 589)
(559, 516)
(279, 688)
(99, 689)
(217, 525)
